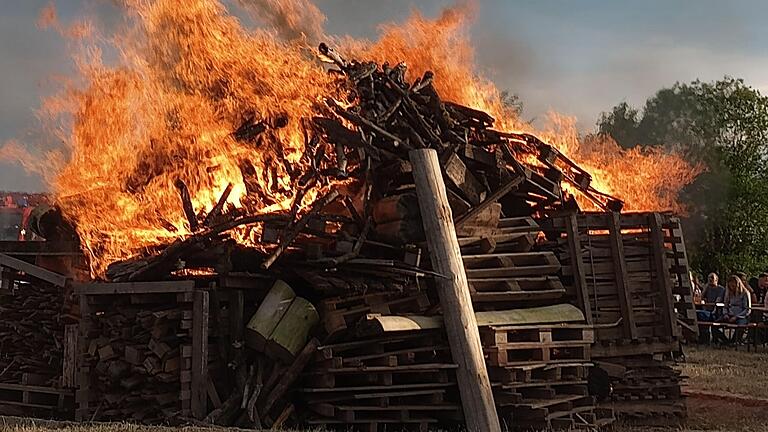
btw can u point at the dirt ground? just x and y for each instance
(729, 392)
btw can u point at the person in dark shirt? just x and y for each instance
(762, 287)
(713, 293)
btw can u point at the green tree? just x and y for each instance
(724, 125)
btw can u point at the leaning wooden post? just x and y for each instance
(453, 290)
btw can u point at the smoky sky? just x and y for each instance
(577, 57)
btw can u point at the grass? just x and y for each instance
(721, 370)
(709, 370)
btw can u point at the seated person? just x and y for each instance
(712, 293)
(737, 309)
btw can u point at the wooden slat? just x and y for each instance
(134, 287)
(69, 377)
(577, 266)
(200, 311)
(617, 249)
(33, 270)
(663, 281)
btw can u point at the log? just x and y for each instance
(290, 376)
(268, 315)
(453, 290)
(300, 224)
(291, 333)
(186, 203)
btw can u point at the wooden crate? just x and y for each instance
(150, 339)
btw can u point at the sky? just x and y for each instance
(576, 57)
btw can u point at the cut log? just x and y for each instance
(268, 315)
(291, 333)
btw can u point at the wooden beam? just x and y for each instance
(200, 308)
(69, 376)
(134, 287)
(453, 290)
(290, 376)
(620, 275)
(33, 270)
(512, 184)
(577, 264)
(663, 279)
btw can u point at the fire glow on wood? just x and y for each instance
(227, 118)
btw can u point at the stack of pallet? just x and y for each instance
(401, 380)
(503, 272)
(648, 392)
(540, 374)
(136, 354)
(624, 272)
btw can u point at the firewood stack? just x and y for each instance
(136, 358)
(32, 333)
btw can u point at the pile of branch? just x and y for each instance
(365, 144)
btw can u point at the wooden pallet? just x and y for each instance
(38, 400)
(520, 345)
(381, 375)
(342, 313)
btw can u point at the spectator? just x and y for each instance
(762, 287)
(712, 293)
(737, 308)
(745, 282)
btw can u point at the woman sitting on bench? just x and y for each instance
(738, 305)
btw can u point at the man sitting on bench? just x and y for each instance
(737, 308)
(713, 293)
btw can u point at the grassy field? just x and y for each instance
(715, 373)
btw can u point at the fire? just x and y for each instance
(188, 74)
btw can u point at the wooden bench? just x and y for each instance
(747, 327)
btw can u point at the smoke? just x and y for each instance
(292, 19)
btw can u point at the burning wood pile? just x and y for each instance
(328, 313)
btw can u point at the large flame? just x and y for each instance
(189, 73)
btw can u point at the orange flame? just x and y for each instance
(187, 74)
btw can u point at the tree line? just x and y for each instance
(722, 125)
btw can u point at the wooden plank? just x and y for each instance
(40, 248)
(620, 273)
(82, 413)
(663, 280)
(290, 376)
(463, 179)
(236, 319)
(455, 300)
(69, 376)
(200, 312)
(33, 270)
(512, 184)
(577, 266)
(108, 288)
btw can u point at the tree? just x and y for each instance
(723, 125)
